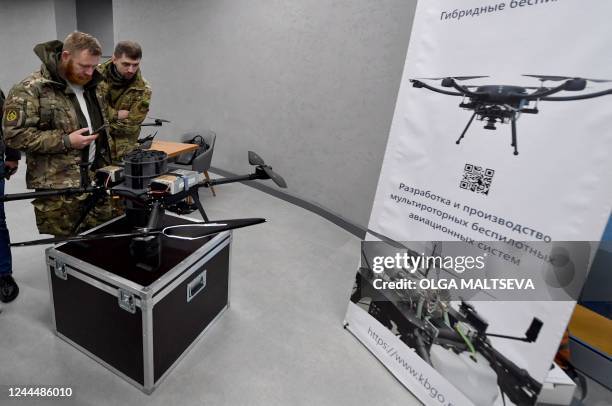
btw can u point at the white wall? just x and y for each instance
(65, 17)
(96, 18)
(308, 84)
(23, 25)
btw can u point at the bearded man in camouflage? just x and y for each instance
(127, 96)
(49, 115)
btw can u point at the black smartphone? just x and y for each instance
(103, 126)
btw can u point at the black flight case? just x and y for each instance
(135, 321)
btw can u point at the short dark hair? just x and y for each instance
(80, 41)
(131, 49)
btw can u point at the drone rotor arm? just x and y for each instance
(45, 193)
(464, 90)
(418, 83)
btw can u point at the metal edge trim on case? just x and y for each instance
(147, 343)
(161, 284)
(50, 289)
(170, 287)
(98, 273)
(100, 361)
(124, 283)
(229, 272)
(188, 349)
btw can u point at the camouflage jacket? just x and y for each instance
(39, 111)
(119, 94)
(11, 154)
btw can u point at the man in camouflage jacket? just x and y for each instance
(44, 117)
(127, 96)
(8, 164)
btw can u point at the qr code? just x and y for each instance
(477, 179)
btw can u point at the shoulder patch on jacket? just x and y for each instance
(12, 116)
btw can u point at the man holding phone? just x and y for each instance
(54, 115)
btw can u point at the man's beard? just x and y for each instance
(71, 75)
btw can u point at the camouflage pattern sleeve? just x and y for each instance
(111, 113)
(20, 123)
(139, 109)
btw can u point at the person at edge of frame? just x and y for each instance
(9, 161)
(127, 96)
(50, 116)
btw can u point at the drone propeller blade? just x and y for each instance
(547, 77)
(455, 77)
(146, 142)
(560, 78)
(85, 237)
(184, 231)
(276, 178)
(468, 77)
(255, 159)
(598, 80)
(196, 231)
(160, 119)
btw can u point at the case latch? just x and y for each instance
(60, 270)
(126, 301)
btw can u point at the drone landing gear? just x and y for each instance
(196, 200)
(514, 135)
(491, 126)
(190, 202)
(466, 128)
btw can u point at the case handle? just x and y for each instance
(196, 286)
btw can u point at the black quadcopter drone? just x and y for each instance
(148, 188)
(502, 103)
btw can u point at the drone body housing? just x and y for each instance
(110, 175)
(176, 181)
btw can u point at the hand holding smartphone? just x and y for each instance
(97, 130)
